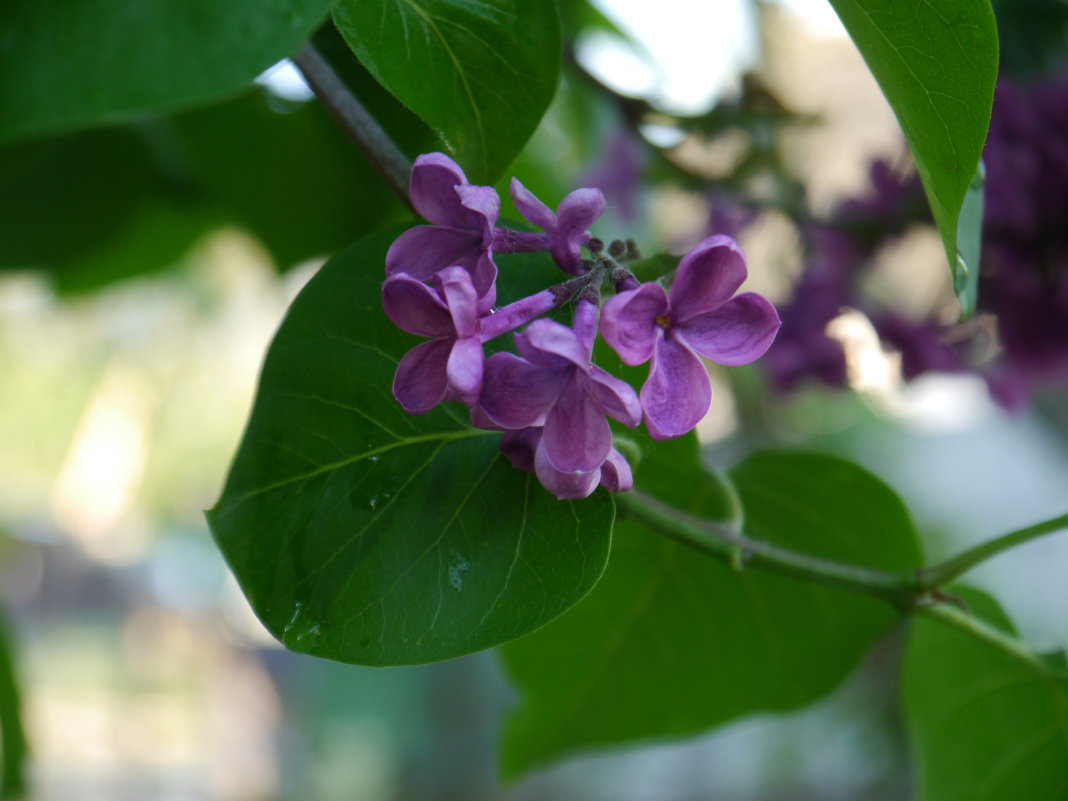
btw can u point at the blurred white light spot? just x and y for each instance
(102, 468)
(871, 370)
(819, 17)
(285, 81)
(616, 64)
(696, 49)
(932, 402)
(663, 135)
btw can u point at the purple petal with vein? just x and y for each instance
(738, 332)
(614, 396)
(707, 277)
(515, 393)
(577, 436)
(677, 393)
(421, 380)
(414, 307)
(628, 322)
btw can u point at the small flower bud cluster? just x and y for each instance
(551, 401)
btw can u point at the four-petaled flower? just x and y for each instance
(555, 385)
(449, 366)
(699, 316)
(567, 229)
(464, 217)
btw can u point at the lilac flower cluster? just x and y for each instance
(550, 400)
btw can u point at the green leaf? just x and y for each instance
(480, 73)
(983, 725)
(672, 642)
(66, 65)
(970, 243)
(363, 534)
(12, 734)
(937, 63)
(98, 206)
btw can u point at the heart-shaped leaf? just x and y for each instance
(366, 535)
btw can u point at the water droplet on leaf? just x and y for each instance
(457, 568)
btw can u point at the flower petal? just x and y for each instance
(614, 396)
(482, 207)
(518, 447)
(420, 381)
(425, 249)
(484, 277)
(628, 322)
(738, 332)
(515, 393)
(551, 337)
(577, 437)
(677, 393)
(414, 307)
(577, 212)
(616, 475)
(565, 486)
(464, 370)
(532, 209)
(454, 284)
(433, 190)
(707, 277)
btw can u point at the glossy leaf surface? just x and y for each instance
(98, 206)
(480, 73)
(673, 642)
(366, 535)
(67, 65)
(937, 64)
(982, 723)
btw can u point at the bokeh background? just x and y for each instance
(129, 365)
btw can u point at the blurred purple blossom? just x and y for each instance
(618, 173)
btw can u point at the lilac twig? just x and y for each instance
(370, 137)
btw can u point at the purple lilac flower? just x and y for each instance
(619, 173)
(525, 450)
(555, 385)
(1024, 276)
(699, 316)
(567, 229)
(802, 348)
(450, 365)
(464, 217)
(920, 343)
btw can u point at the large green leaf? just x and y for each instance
(363, 534)
(65, 65)
(480, 72)
(672, 642)
(983, 724)
(937, 63)
(97, 206)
